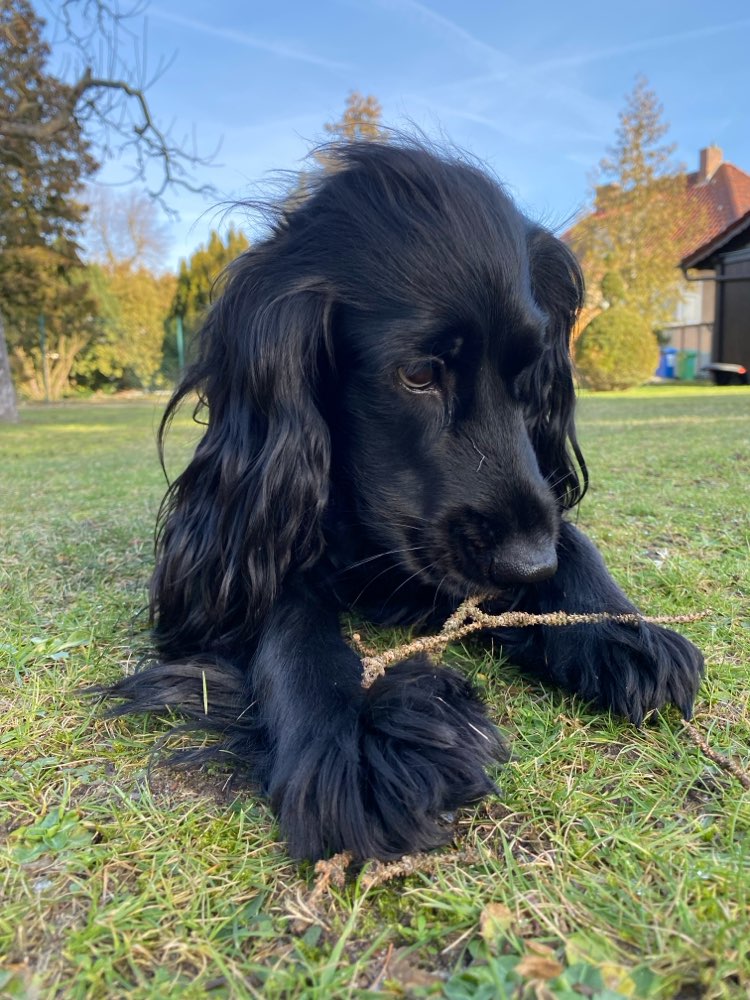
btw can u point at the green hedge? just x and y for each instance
(616, 350)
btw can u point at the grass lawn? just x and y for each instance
(616, 863)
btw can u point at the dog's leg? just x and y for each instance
(631, 669)
(369, 771)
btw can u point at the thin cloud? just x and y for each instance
(477, 98)
(642, 45)
(500, 62)
(280, 49)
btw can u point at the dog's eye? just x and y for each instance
(420, 377)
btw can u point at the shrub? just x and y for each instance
(616, 350)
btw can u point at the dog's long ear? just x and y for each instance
(557, 284)
(248, 506)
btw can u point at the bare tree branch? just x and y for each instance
(109, 96)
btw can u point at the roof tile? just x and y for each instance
(718, 203)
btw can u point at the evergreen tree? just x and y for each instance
(197, 283)
(40, 210)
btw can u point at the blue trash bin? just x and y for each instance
(667, 362)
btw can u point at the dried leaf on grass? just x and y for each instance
(540, 967)
(495, 921)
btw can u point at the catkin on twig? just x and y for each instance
(469, 618)
(724, 762)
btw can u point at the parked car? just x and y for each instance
(724, 373)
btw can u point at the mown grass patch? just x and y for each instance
(616, 863)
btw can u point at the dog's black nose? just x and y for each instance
(519, 561)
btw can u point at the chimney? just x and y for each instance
(711, 159)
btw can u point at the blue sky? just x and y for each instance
(532, 89)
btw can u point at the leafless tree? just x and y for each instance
(124, 228)
(102, 49)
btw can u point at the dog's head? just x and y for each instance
(398, 347)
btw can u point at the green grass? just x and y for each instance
(619, 856)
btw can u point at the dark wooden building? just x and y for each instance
(725, 261)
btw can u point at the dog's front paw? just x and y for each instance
(643, 669)
(379, 786)
(684, 670)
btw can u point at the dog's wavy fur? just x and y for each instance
(390, 428)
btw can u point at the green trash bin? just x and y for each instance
(687, 364)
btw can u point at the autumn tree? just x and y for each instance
(361, 119)
(133, 305)
(197, 283)
(126, 243)
(630, 234)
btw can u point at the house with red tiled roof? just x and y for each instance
(711, 323)
(717, 266)
(709, 320)
(721, 189)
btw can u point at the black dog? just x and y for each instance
(390, 428)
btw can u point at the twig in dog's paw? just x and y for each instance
(469, 617)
